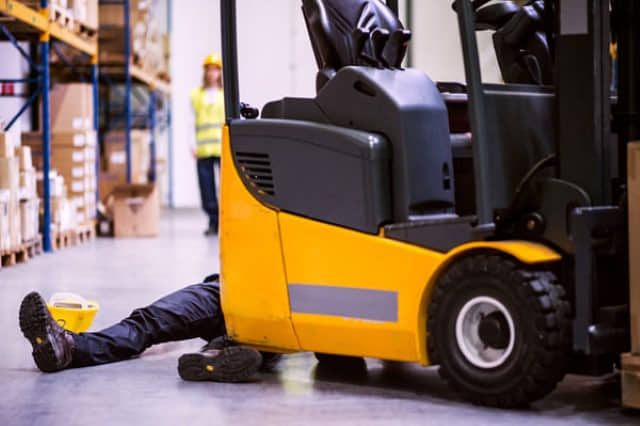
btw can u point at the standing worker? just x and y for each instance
(208, 106)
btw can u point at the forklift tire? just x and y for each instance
(499, 331)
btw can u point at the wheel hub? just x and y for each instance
(485, 332)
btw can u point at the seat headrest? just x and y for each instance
(354, 32)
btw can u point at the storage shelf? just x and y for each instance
(70, 38)
(29, 17)
(38, 21)
(117, 70)
(153, 82)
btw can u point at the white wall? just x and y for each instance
(275, 60)
(436, 43)
(14, 66)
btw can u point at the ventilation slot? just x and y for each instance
(256, 168)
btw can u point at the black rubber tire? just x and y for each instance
(541, 317)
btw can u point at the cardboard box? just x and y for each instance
(116, 157)
(93, 16)
(15, 237)
(57, 186)
(24, 157)
(28, 187)
(5, 238)
(71, 107)
(633, 185)
(76, 139)
(107, 183)
(630, 381)
(29, 219)
(136, 211)
(8, 143)
(62, 215)
(9, 174)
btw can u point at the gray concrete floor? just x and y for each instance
(124, 274)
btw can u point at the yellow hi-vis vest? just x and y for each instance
(209, 122)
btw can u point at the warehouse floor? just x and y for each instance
(124, 274)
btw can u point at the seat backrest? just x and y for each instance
(520, 40)
(354, 32)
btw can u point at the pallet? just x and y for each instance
(85, 32)
(62, 239)
(34, 247)
(84, 233)
(62, 16)
(22, 253)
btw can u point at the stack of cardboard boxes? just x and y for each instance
(148, 44)
(19, 203)
(85, 12)
(114, 161)
(70, 12)
(9, 195)
(73, 155)
(28, 196)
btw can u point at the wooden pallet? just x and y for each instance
(22, 253)
(85, 32)
(34, 247)
(62, 239)
(85, 233)
(62, 16)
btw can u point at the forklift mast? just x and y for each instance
(581, 198)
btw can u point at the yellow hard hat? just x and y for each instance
(213, 59)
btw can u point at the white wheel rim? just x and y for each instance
(467, 332)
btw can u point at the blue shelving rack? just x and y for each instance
(128, 73)
(30, 24)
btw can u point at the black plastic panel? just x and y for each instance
(407, 108)
(327, 173)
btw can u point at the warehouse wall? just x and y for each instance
(14, 66)
(436, 43)
(275, 59)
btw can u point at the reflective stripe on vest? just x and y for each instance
(209, 121)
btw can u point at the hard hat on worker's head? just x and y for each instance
(213, 59)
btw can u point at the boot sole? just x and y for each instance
(233, 364)
(34, 315)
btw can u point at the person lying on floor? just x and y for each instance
(191, 312)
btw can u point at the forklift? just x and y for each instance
(478, 227)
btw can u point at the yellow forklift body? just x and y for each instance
(290, 283)
(253, 280)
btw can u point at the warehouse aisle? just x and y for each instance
(124, 274)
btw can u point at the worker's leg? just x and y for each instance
(206, 180)
(185, 314)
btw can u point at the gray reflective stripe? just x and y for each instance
(208, 127)
(376, 305)
(208, 141)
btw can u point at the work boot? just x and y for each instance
(52, 344)
(210, 232)
(220, 361)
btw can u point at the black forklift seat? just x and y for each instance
(520, 39)
(494, 16)
(353, 32)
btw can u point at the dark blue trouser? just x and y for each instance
(191, 312)
(207, 182)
